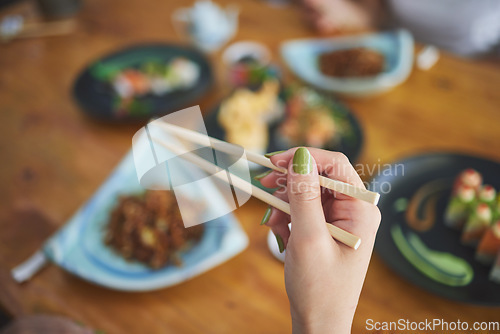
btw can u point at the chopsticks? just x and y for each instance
(201, 139)
(336, 232)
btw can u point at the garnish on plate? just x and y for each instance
(441, 267)
(474, 209)
(424, 199)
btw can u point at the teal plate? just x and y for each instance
(301, 56)
(79, 246)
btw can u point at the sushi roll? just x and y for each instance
(489, 245)
(460, 206)
(495, 271)
(469, 177)
(477, 224)
(487, 195)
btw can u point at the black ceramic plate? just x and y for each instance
(97, 98)
(419, 170)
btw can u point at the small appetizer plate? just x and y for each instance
(414, 194)
(301, 56)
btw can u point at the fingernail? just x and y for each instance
(302, 161)
(262, 175)
(270, 154)
(281, 245)
(266, 217)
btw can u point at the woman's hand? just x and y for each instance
(323, 277)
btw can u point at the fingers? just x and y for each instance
(357, 217)
(273, 180)
(278, 221)
(304, 194)
(333, 164)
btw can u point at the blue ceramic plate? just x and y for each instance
(80, 249)
(301, 56)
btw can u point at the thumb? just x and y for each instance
(304, 194)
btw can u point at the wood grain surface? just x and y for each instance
(53, 158)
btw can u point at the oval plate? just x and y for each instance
(419, 170)
(79, 247)
(351, 148)
(98, 99)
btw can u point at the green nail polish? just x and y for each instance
(270, 154)
(302, 161)
(262, 175)
(281, 245)
(266, 217)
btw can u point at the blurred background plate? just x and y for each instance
(80, 249)
(301, 56)
(419, 170)
(351, 146)
(98, 99)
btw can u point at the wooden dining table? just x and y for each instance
(53, 158)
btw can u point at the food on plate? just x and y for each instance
(356, 62)
(477, 223)
(152, 77)
(489, 245)
(469, 177)
(131, 82)
(313, 120)
(487, 195)
(481, 218)
(475, 209)
(421, 209)
(245, 115)
(466, 190)
(459, 207)
(155, 78)
(149, 229)
(248, 71)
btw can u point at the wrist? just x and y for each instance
(320, 324)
